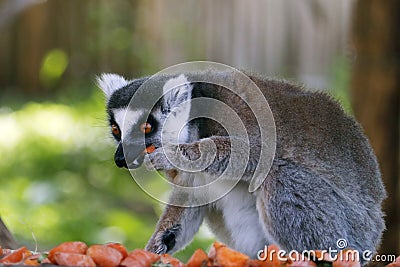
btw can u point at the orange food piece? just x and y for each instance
(213, 250)
(222, 256)
(32, 260)
(46, 260)
(320, 255)
(73, 259)
(198, 259)
(76, 247)
(150, 149)
(104, 256)
(140, 258)
(6, 251)
(272, 258)
(118, 246)
(396, 263)
(16, 256)
(301, 263)
(347, 258)
(302, 260)
(256, 263)
(166, 258)
(268, 263)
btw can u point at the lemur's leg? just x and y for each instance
(175, 229)
(191, 152)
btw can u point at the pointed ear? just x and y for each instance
(176, 91)
(109, 83)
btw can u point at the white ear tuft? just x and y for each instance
(177, 90)
(177, 95)
(109, 83)
(174, 82)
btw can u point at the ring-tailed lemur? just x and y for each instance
(324, 183)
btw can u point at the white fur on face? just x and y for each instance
(126, 119)
(109, 83)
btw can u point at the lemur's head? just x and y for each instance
(139, 125)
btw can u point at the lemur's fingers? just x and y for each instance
(157, 248)
(190, 151)
(154, 245)
(157, 161)
(161, 249)
(148, 164)
(163, 241)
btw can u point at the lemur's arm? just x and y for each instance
(191, 152)
(175, 228)
(178, 225)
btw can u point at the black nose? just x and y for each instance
(119, 157)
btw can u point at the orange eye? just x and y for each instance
(145, 127)
(115, 129)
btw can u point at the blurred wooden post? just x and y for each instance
(6, 238)
(376, 97)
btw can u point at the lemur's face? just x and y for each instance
(144, 122)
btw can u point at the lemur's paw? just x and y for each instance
(162, 157)
(158, 161)
(182, 156)
(169, 238)
(190, 151)
(163, 241)
(161, 249)
(158, 248)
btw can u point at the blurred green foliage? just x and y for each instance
(59, 181)
(53, 66)
(58, 178)
(339, 82)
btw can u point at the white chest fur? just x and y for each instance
(235, 221)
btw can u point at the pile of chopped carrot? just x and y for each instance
(116, 255)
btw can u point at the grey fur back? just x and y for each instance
(325, 182)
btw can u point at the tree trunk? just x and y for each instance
(376, 97)
(6, 238)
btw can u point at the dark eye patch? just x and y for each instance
(154, 124)
(143, 119)
(115, 129)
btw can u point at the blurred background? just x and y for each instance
(58, 179)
